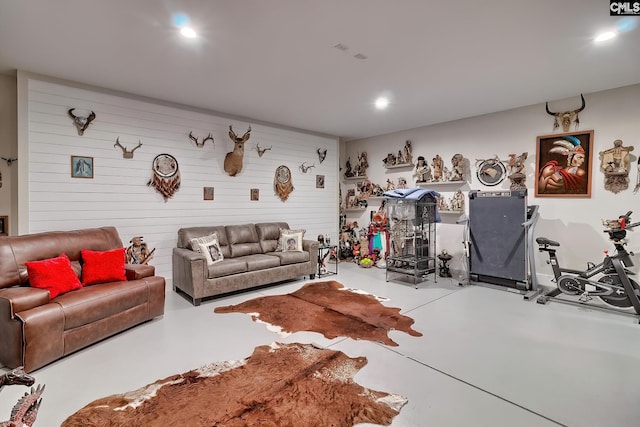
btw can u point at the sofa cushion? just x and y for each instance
(54, 275)
(93, 303)
(260, 261)
(290, 257)
(227, 267)
(243, 240)
(269, 234)
(103, 267)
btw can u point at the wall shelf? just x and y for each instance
(400, 166)
(432, 183)
(355, 178)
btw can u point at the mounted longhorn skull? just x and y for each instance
(304, 168)
(126, 154)
(201, 144)
(233, 159)
(261, 151)
(82, 123)
(566, 117)
(322, 154)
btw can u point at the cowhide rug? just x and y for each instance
(330, 309)
(279, 385)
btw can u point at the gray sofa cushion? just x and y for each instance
(243, 240)
(291, 257)
(269, 234)
(260, 261)
(227, 267)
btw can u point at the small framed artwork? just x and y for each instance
(4, 225)
(207, 193)
(81, 167)
(319, 181)
(255, 194)
(563, 164)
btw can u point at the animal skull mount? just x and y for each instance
(261, 151)
(322, 154)
(201, 144)
(304, 168)
(9, 160)
(126, 154)
(566, 117)
(233, 159)
(82, 123)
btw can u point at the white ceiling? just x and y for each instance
(275, 60)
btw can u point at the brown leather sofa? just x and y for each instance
(250, 260)
(35, 330)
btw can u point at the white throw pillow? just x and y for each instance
(291, 240)
(209, 247)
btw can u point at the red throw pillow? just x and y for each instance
(54, 275)
(102, 267)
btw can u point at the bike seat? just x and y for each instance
(546, 242)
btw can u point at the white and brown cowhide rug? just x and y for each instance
(295, 385)
(330, 309)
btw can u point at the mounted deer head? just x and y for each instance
(566, 117)
(233, 159)
(82, 123)
(201, 144)
(126, 154)
(261, 151)
(322, 154)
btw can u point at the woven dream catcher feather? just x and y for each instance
(166, 176)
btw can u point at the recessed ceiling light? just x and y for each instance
(188, 32)
(607, 35)
(382, 103)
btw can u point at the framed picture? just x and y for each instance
(563, 164)
(81, 167)
(255, 194)
(207, 193)
(319, 181)
(4, 225)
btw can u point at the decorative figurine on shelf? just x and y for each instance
(400, 158)
(408, 152)
(457, 202)
(390, 160)
(402, 183)
(615, 165)
(423, 171)
(377, 190)
(348, 173)
(442, 204)
(138, 252)
(390, 185)
(517, 171)
(444, 258)
(458, 171)
(361, 169)
(436, 164)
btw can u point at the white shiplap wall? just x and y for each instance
(118, 194)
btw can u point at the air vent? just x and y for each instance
(341, 46)
(360, 56)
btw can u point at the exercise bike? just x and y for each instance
(609, 280)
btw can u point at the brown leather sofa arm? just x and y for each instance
(139, 271)
(16, 299)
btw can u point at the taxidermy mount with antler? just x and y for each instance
(9, 160)
(126, 154)
(82, 123)
(566, 117)
(261, 151)
(233, 159)
(201, 144)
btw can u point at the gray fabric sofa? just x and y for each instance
(250, 260)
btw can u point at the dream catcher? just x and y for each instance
(282, 182)
(166, 176)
